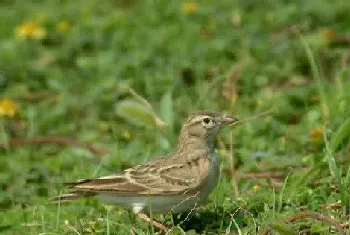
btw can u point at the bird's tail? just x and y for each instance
(64, 198)
(71, 196)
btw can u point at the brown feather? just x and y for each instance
(181, 172)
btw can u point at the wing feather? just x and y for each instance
(152, 178)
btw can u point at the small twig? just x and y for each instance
(258, 115)
(54, 140)
(305, 231)
(312, 215)
(276, 183)
(335, 205)
(195, 196)
(66, 223)
(345, 225)
(266, 174)
(155, 223)
(330, 206)
(244, 210)
(269, 174)
(315, 216)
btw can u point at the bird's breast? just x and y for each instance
(212, 177)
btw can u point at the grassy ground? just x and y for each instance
(122, 75)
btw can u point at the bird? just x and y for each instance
(177, 182)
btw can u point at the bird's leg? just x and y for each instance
(155, 223)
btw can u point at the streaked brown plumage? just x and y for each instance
(165, 183)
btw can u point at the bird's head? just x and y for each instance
(204, 125)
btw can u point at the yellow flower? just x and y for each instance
(62, 26)
(30, 30)
(7, 108)
(190, 7)
(316, 134)
(256, 188)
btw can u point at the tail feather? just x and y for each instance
(65, 197)
(71, 196)
(73, 184)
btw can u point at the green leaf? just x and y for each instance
(347, 178)
(342, 133)
(137, 113)
(282, 228)
(331, 161)
(166, 109)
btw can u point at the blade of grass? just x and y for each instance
(331, 161)
(317, 76)
(237, 226)
(107, 222)
(280, 199)
(58, 214)
(335, 172)
(342, 133)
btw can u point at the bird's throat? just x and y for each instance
(195, 143)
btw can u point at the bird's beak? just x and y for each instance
(228, 120)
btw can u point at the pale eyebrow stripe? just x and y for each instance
(198, 119)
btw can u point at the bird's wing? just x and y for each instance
(152, 178)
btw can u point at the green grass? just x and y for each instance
(123, 69)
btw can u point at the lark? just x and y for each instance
(177, 182)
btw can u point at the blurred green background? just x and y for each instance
(89, 88)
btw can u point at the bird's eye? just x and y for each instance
(206, 120)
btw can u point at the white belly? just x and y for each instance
(158, 204)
